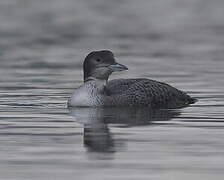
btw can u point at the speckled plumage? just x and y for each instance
(146, 92)
(98, 91)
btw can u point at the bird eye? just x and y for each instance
(98, 60)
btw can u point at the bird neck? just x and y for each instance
(98, 81)
(98, 85)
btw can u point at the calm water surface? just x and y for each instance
(42, 47)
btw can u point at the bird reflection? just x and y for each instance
(97, 135)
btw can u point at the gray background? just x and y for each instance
(42, 47)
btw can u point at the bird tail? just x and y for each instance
(192, 100)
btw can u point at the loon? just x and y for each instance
(97, 91)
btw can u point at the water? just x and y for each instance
(42, 47)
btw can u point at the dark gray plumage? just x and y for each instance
(146, 92)
(98, 91)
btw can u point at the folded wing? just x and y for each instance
(146, 92)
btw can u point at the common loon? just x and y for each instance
(98, 91)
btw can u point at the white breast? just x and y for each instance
(86, 95)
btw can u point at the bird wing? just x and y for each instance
(146, 92)
(119, 86)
